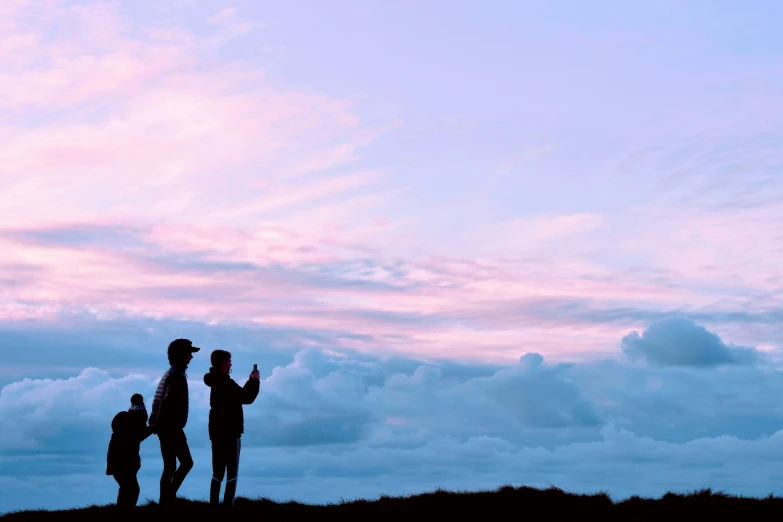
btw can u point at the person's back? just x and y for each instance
(226, 398)
(120, 457)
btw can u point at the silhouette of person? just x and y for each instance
(170, 415)
(226, 422)
(129, 429)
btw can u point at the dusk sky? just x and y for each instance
(468, 243)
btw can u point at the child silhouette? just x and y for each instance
(123, 462)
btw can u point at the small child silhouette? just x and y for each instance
(123, 462)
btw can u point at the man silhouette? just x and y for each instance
(170, 415)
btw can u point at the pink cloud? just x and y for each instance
(248, 202)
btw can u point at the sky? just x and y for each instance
(467, 243)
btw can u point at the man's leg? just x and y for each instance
(169, 453)
(185, 462)
(232, 464)
(218, 470)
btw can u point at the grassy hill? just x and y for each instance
(521, 503)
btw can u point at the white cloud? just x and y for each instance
(35, 414)
(372, 426)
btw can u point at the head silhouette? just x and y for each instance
(137, 399)
(180, 353)
(221, 360)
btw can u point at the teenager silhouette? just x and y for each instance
(226, 422)
(170, 415)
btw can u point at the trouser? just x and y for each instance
(225, 457)
(128, 494)
(173, 447)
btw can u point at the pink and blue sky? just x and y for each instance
(467, 243)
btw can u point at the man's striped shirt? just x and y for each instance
(170, 405)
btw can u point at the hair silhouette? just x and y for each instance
(218, 357)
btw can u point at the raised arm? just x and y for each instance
(250, 390)
(245, 394)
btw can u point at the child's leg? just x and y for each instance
(218, 469)
(134, 489)
(120, 491)
(232, 447)
(128, 495)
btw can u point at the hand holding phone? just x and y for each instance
(254, 374)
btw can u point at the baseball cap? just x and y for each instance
(182, 345)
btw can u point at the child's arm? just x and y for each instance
(145, 432)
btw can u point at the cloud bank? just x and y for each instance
(372, 425)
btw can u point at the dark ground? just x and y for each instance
(506, 503)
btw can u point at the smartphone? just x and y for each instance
(255, 367)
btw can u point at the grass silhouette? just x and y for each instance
(507, 502)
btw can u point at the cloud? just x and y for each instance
(532, 235)
(143, 178)
(317, 400)
(141, 113)
(64, 416)
(373, 425)
(680, 342)
(533, 395)
(119, 343)
(146, 176)
(231, 27)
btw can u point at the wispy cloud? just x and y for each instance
(231, 26)
(141, 174)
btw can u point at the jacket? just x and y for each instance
(226, 418)
(129, 429)
(170, 405)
